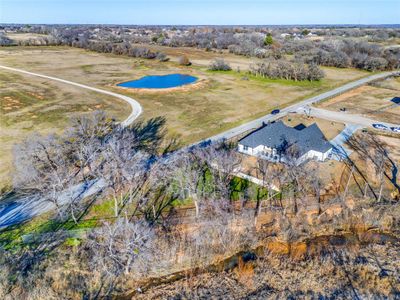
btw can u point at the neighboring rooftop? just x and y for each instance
(277, 135)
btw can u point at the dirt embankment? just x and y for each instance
(247, 267)
(331, 244)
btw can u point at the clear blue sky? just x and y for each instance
(218, 12)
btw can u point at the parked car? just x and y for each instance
(275, 111)
(395, 129)
(380, 126)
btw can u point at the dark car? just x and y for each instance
(380, 126)
(275, 112)
(395, 129)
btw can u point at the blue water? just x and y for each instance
(159, 82)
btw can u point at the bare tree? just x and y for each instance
(295, 175)
(380, 166)
(188, 174)
(266, 171)
(372, 149)
(223, 162)
(123, 166)
(45, 168)
(119, 249)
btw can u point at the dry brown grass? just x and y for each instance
(371, 101)
(30, 104)
(390, 83)
(224, 102)
(24, 36)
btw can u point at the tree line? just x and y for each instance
(338, 47)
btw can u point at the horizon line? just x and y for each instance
(145, 24)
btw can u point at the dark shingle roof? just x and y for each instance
(275, 135)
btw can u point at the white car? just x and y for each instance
(380, 126)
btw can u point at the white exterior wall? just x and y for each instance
(249, 150)
(315, 155)
(263, 151)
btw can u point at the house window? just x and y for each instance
(246, 148)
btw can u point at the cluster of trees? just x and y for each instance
(338, 49)
(283, 69)
(133, 167)
(120, 49)
(143, 175)
(82, 38)
(348, 53)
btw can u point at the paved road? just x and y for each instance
(136, 107)
(294, 108)
(22, 208)
(17, 211)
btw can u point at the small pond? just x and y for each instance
(159, 81)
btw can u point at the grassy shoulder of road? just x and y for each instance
(228, 99)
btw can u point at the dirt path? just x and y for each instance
(136, 107)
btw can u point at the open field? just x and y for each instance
(390, 83)
(374, 101)
(29, 104)
(19, 37)
(226, 100)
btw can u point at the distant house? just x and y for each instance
(278, 142)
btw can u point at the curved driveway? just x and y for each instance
(136, 107)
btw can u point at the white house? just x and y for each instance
(278, 142)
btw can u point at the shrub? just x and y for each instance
(184, 61)
(162, 57)
(219, 64)
(268, 40)
(282, 69)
